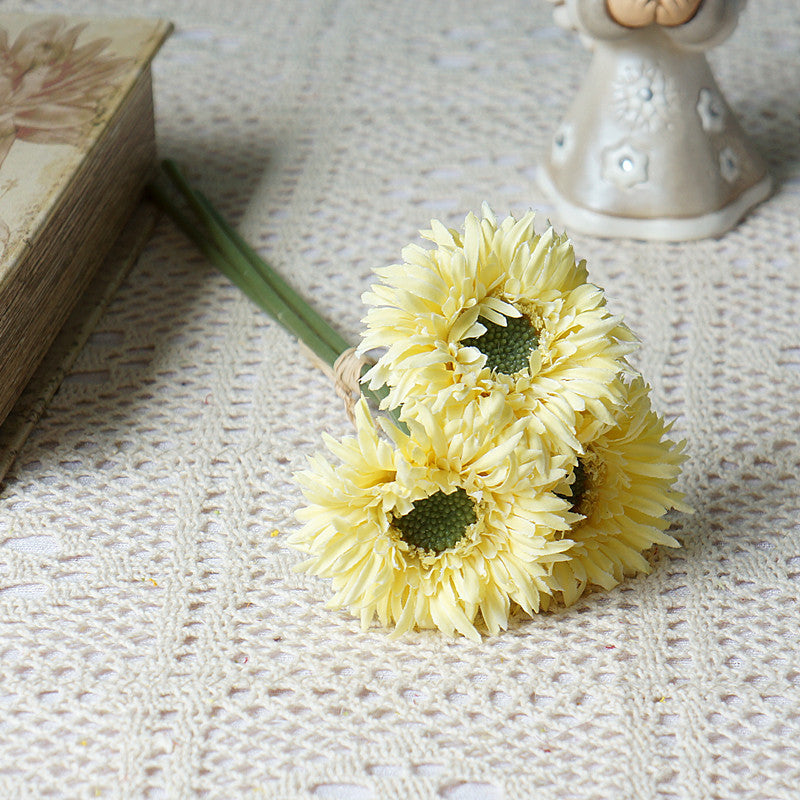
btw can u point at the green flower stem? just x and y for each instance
(221, 230)
(227, 259)
(276, 281)
(231, 254)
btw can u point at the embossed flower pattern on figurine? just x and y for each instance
(643, 97)
(729, 164)
(624, 166)
(711, 110)
(563, 142)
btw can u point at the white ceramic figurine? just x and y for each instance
(649, 148)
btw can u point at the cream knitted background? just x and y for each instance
(154, 640)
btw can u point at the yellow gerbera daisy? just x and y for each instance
(443, 524)
(496, 310)
(621, 485)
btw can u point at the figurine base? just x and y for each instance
(666, 229)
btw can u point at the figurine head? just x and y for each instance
(692, 24)
(640, 13)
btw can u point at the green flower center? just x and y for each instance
(437, 522)
(579, 486)
(507, 347)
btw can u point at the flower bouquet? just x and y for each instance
(505, 453)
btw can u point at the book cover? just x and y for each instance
(61, 81)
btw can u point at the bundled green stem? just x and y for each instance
(231, 254)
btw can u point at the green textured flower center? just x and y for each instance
(437, 522)
(579, 486)
(507, 347)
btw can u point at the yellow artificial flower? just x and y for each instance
(448, 522)
(496, 311)
(622, 487)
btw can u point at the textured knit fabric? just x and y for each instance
(155, 641)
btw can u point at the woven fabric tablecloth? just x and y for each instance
(154, 638)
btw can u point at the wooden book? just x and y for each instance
(77, 146)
